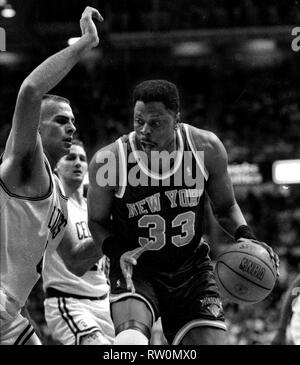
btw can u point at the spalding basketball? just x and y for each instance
(245, 273)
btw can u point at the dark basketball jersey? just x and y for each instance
(161, 213)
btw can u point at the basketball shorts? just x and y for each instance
(14, 328)
(70, 319)
(185, 299)
(295, 322)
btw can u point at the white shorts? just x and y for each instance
(14, 328)
(295, 322)
(70, 319)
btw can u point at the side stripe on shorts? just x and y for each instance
(62, 306)
(25, 335)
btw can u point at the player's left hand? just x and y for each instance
(273, 255)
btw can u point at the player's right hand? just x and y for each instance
(87, 25)
(127, 261)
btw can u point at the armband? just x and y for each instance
(244, 231)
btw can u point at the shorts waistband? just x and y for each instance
(54, 293)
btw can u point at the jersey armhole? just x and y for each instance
(122, 169)
(198, 154)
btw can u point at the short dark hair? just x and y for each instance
(46, 110)
(158, 90)
(56, 98)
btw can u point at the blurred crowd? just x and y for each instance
(162, 15)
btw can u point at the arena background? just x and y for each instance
(238, 75)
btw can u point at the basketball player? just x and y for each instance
(289, 315)
(156, 204)
(33, 207)
(77, 308)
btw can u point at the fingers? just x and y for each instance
(92, 13)
(274, 257)
(129, 284)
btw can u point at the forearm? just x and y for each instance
(110, 242)
(100, 232)
(84, 256)
(230, 219)
(47, 75)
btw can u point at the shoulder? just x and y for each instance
(208, 142)
(205, 139)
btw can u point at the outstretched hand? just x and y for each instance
(87, 25)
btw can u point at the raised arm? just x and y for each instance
(24, 141)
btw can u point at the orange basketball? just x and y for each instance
(245, 273)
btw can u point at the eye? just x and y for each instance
(70, 157)
(155, 123)
(61, 120)
(139, 121)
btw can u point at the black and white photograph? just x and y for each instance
(150, 175)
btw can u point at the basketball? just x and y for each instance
(245, 273)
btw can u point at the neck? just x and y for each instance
(51, 159)
(74, 192)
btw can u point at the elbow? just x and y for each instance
(29, 90)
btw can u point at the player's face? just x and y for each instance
(57, 128)
(73, 166)
(154, 125)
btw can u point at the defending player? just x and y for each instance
(149, 212)
(33, 208)
(289, 315)
(77, 308)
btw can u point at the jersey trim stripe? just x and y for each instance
(20, 339)
(28, 337)
(194, 324)
(145, 169)
(21, 197)
(199, 160)
(122, 170)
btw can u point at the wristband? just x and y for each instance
(244, 231)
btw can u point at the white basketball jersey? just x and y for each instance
(55, 274)
(27, 227)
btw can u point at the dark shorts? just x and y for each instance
(188, 296)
